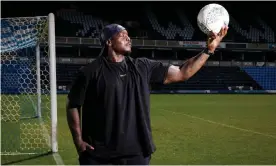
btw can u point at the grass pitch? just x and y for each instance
(187, 129)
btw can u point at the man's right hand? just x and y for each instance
(82, 146)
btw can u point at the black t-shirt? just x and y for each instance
(115, 104)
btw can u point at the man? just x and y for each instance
(113, 92)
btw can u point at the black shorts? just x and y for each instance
(86, 159)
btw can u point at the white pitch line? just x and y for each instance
(56, 156)
(16, 153)
(221, 124)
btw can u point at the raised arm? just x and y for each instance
(192, 65)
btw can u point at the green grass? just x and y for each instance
(190, 129)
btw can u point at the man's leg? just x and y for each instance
(86, 159)
(134, 160)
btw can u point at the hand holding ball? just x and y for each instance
(213, 20)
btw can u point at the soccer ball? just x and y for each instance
(212, 17)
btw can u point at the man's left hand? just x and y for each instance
(215, 39)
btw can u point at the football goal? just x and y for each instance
(28, 86)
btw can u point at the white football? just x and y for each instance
(212, 17)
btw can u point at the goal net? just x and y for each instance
(28, 86)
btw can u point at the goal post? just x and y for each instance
(28, 86)
(53, 80)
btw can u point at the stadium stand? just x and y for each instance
(208, 78)
(66, 73)
(264, 76)
(173, 31)
(215, 78)
(178, 24)
(173, 22)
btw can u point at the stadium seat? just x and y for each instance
(172, 30)
(89, 26)
(214, 78)
(170, 25)
(66, 73)
(265, 76)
